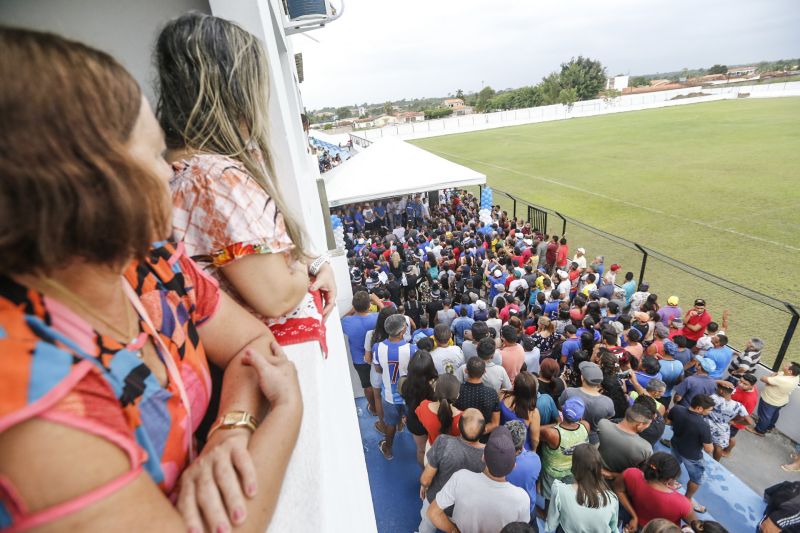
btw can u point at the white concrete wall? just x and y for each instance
(587, 108)
(326, 487)
(126, 30)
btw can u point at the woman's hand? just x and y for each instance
(277, 376)
(326, 283)
(211, 491)
(632, 526)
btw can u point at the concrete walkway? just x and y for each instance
(757, 460)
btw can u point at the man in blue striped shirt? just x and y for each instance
(391, 358)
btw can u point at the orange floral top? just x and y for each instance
(222, 214)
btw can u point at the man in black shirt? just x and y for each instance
(475, 394)
(395, 288)
(413, 308)
(691, 435)
(435, 304)
(411, 281)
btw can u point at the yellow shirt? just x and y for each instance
(779, 389)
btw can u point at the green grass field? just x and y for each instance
(714, 185)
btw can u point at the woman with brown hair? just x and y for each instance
(587, 505)
(106, 339)
(418, 387)
(549, 380)
(441, 416)
(228, 211)
(520, 404)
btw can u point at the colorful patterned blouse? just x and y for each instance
(54, 366)
(222, 214)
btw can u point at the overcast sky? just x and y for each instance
(388, 50)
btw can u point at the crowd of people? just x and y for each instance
(537, 383)
(152, 274)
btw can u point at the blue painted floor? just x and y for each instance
(395, 485)
(728, 500)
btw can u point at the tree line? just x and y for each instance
(580, 78)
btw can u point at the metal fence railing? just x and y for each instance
(752, 313)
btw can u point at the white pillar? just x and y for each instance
(326, 487)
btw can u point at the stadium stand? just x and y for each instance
(561, 329)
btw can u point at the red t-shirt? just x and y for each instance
(431, 422)
(505, 313)
(650, 503)
(561, 255)
(575, 313)
(749, 399)
(573, 276)
(550, 255)
(703, 320)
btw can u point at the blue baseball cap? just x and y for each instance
(573, 409)
(708, 364)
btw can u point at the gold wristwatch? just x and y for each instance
(233, 420)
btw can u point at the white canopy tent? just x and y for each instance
(391, 167)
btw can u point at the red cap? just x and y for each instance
(615, 267)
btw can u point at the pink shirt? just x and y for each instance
(513, 358)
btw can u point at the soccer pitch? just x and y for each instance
(713, 185)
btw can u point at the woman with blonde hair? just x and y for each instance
(105, 337)
(545, 336)
(396, 265)
(228, 211)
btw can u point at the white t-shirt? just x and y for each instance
(516, 284)
(563, 289)
(496, 377)
(447, 359)
(580, 260)
(495, 323)
(482, 504)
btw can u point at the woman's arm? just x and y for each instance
(534, 423)
(227, 336)
(81, 462)
(622, 494)
(269, 283)
(553, 512)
